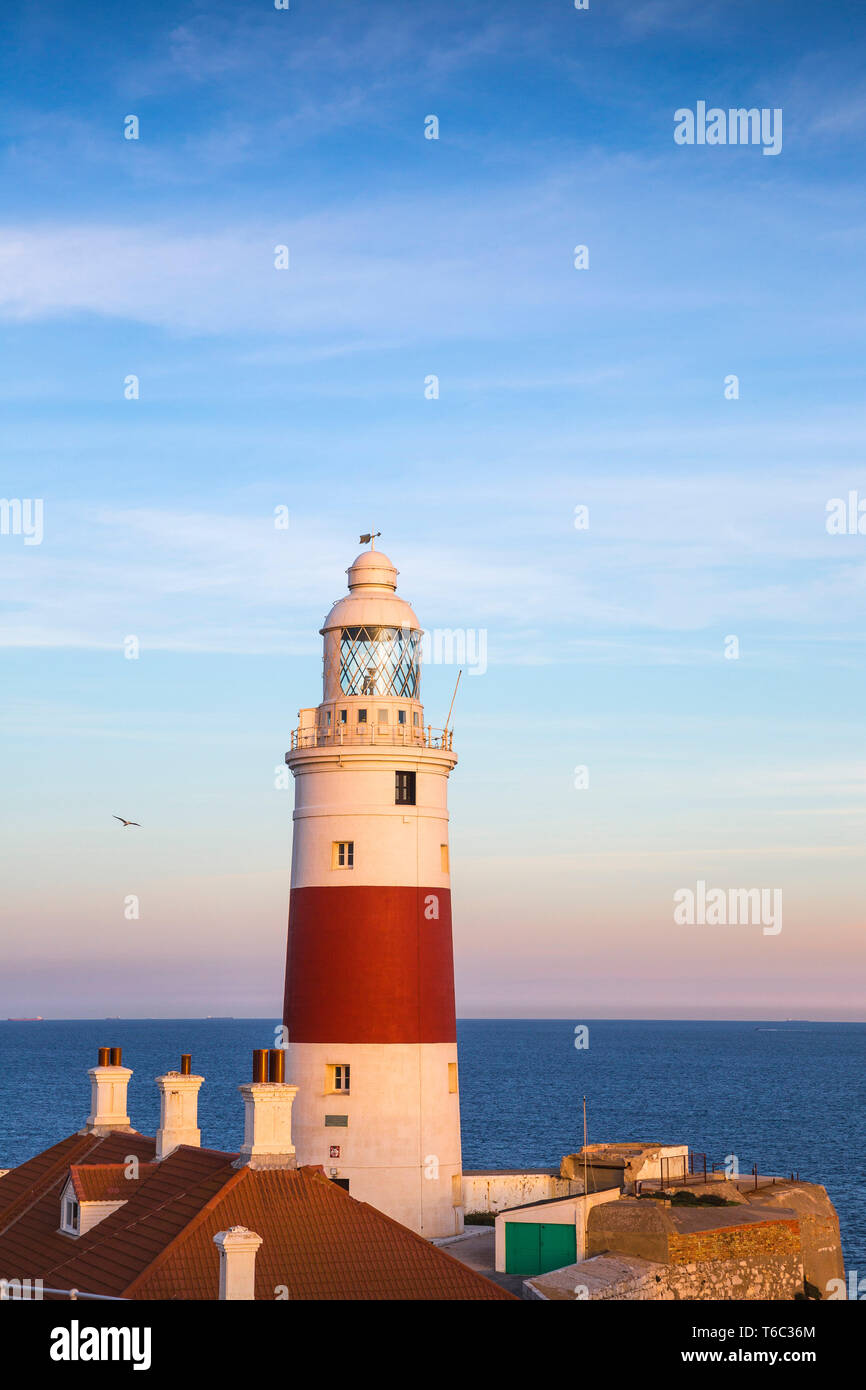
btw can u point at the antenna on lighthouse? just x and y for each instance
(453, 698)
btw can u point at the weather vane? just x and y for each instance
(370, 536)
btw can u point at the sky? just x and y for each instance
(738, 764)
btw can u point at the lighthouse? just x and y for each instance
(369, 1002)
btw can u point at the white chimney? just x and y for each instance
(238, 1248)
(108, 1083)
(267, 1114)
(178, 1109)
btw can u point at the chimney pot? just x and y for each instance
(115, 1057)
(260, 1064)
(276, 1064)
(102, 1057)
(185, 1063)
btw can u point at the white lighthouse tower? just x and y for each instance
(369, 1005)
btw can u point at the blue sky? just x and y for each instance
(558, 388)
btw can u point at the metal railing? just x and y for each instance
(33, 1290)
(367, 735)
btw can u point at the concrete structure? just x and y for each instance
(369, 1004)
(778, 1240)
(622, 1165)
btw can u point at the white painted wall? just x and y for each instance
(494, 1191)
(348, 794)
(401, 1147)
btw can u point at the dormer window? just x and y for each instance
(71, 1216)
(93, 1191)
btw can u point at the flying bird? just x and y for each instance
(128, 822)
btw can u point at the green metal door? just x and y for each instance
(531, 1248)
(558, 1247)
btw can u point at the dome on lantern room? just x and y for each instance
(372, 569)
(372, 598)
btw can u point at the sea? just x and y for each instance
(788, 1097)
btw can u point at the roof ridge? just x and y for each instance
(192, 1225)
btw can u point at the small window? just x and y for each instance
(404, 790)
(71, 1215)
(341, 1076)
(443, 854)
(341, 1182)
(452, 1077)
(382, 716)
(401, 716)
(343, 854)
(362, 716)
(415, 718)
(329, 719)
(344, 716)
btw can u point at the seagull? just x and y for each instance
(128, 822)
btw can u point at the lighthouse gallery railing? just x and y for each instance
(354, 734)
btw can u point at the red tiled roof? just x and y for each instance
(24, 1185)
(107, 1182)
(111, 1255)
(30, 1241)
(317, 1241)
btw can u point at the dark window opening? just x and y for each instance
(404, 793)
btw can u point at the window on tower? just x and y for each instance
(362, 716)
(344, 716)
(404, 790)
(401, 716)
(343, 854)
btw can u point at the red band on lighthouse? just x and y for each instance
(370, 965)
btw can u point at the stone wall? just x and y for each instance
(738, 1242)
(624, 1278)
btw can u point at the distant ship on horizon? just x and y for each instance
(37, 1018)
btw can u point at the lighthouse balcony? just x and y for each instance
(354, 735)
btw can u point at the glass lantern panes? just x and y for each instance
(379, 661)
